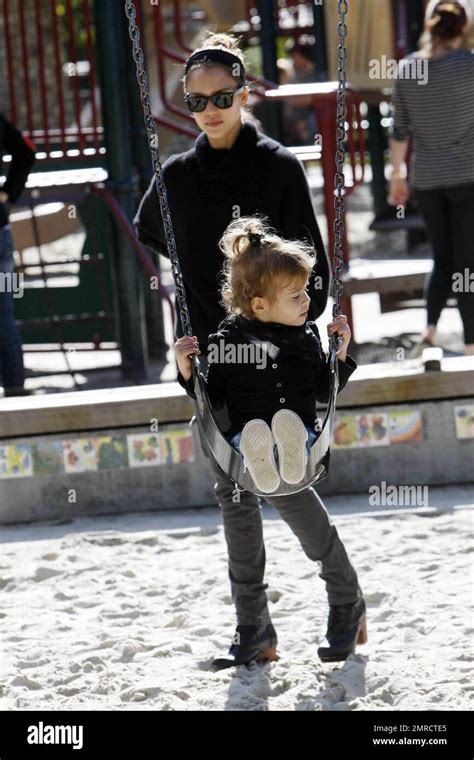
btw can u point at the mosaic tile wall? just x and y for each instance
(89, 453)
(174, 444)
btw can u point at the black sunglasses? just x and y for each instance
(198, 103)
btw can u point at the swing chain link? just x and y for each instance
(338, 226)
(154, 146)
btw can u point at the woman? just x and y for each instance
(439, 112)
(233, 171)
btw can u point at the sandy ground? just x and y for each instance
(125, 612)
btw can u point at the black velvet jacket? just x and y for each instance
(293, 375)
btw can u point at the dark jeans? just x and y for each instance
(307, 517)
(449, 216)
(11, 355)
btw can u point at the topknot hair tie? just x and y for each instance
(255, 239)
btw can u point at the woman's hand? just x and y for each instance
(4, 197)
(341, 328)
(399, 192)
(184, 348)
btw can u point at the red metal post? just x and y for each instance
(162, 51)
(74, 79)
(42, 78)
(178, 29)
(59, 76)
(91, 78)
(9, 62)
(26, 70)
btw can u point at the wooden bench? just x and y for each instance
(393, 275)
(412, 222)
(399, 283)
(306, 152)
(53, 222)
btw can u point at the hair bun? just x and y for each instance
(447, 20)
(450, 8)
(255, 239)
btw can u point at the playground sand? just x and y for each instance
(125, 612)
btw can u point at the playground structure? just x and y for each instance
(64, 86)
(71, 87)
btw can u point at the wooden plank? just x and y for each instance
(53, 223)
(402, 283)
(386, 277)
(410, 222)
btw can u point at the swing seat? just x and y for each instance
(229, 460)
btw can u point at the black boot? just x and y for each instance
(346, 628)
(251, 643)
(17, 391)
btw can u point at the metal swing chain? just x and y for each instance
(338, 225)
(154, 146)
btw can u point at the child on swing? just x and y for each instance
(267, 365)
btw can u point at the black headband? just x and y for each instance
(216, 55)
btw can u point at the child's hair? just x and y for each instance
(219, 40)
(259, 263)
(444, 21)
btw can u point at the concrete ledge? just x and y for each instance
(94, 410)
(437, 456)
(167, 402)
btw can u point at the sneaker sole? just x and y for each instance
(268, 655)
(290, 437)
(256, 446)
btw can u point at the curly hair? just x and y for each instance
(259, 263)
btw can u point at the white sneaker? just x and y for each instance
(290, 437)
(256, 446)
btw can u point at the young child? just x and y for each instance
(267, 365)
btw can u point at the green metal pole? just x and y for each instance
(377, 146)
(320, 46)
(111, 55)
(268, 42)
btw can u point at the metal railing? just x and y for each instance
(51, 90)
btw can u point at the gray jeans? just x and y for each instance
(307, 517)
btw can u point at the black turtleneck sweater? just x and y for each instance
(208, 188)
(23, 158)
(294, 374)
